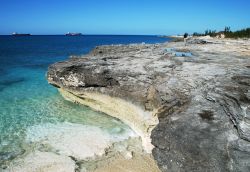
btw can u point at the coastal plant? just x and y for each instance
(210, 33)
(243, 33)
(185, 35)
(198, 34)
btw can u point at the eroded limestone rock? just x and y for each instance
(196, 109)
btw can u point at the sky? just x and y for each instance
(133, 17)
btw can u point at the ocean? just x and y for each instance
(31, 109)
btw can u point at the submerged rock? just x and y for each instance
(6, 156)
(75, 140)
(41, 162)
(195, 110)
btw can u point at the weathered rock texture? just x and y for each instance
(196, 109)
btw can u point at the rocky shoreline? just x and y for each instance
(188, 101)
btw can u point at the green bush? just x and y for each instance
(243, 33)
(185, 35)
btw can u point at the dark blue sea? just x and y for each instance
(28, 102)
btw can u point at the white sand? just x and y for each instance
(76, 140)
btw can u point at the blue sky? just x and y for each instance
(121, 16)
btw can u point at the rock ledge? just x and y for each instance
(196, 109)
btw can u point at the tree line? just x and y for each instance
(243, 33)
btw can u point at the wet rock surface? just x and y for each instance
(202, 101)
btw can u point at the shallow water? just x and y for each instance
(27, 101)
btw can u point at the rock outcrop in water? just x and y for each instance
(196, 110)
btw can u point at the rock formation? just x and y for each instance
(192, 112)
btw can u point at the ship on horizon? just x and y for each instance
(20, 34)
(73, 34)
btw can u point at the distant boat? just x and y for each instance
(73, 34)
(20, 34)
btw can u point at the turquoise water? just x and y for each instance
(26, 99)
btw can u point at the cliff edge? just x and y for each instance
(189, 102)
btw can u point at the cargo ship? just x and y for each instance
(73, 34)
(20, 34)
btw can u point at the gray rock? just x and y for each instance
(198, 41)
(202, 104)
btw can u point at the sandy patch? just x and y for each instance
(76, 140)
(139, 163)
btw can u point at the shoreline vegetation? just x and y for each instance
(227, 33)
